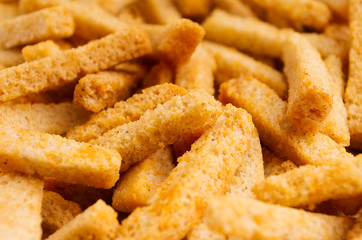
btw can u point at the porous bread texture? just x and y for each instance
(124, 111)
(55, 71)
(232, 63)
(276, 131)
(310, 97)
(56, 211)
(197, 73)
(20, 206)
(308, 185)
(47, 155)
(136, 187)
(251, 219)
(51, 23)
(99, 222)
(249, 173)
(50, 118)
(160, 127)
(96, 91)
(203, 171)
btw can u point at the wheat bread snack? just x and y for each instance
(125, 111)
(21, 203)
(55, 71)
(51, 23)
(47, 155)
(160, 127)
(203, 171)
(97, 91)
(250, 219)
(136, 187)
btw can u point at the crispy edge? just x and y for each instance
(96, 91)
(124, 112)
(55, 71)
(136, 187)
(47, 155)
(181, 198)
(160, 127)
(276, 131)
(250, 219)
(99, 221)
(310, 97)
(51, 23)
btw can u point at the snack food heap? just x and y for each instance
(181, 119)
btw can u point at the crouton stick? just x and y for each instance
(276, 131)
(46, 155)
(91, 21)
(99, 221)
(335, 124)
(235, 7)
(310, 96)
(338, 6)
(274, 165)
(55, 71)
(232, 64)
(326, 46)
(159, 11)
(194, 9)
(355, 233)
(21, 202)
(308, 13)
(309, 184)
(197, 73)
(49, 118)
(160, 127)
(335, 68)
(125, 111)
(159, 74)
(8, 10)
(251, 170)
(40, 50)
(51, 23)
(353, 96)
(175, 42)
(56, 212)
(251, 219)
(10, 57)
(97, 91)
(245, 177)
(203, 171)
(136, 187)
(244, 33)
